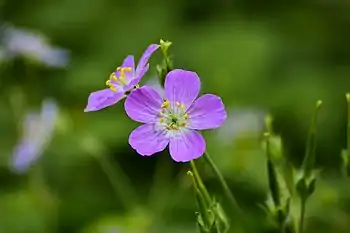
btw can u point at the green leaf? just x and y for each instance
(309, 159)
(271, 174)
(201, 226)
(202, 203)
(203, 208)
(311, 187)
(221, 215)
(302, 189)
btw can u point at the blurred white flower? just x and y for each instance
(38, 130)
(24, 43)
(240, 122)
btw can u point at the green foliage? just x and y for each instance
(279, 57)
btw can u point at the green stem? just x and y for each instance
(118, 182)
(199, 181)
(165, 54)
(310, 153)
(222, 181)
(347, 155)
(302, 216)
(166, 60)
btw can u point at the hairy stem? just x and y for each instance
(222, 181)
(200, 183)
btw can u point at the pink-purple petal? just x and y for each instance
(102, 99)
(128, 62)
(182, 86)
(207, 112)
(147, 140)
(145, 57)
(187, 146)
(144, 71)
(138, 77)
(143, 105)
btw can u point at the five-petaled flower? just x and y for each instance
(120, 82)
(175, 119)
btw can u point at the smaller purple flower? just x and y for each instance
(37, 133)
(120, 82)
(174, 121)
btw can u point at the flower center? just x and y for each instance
(115, 81)
(173, 116)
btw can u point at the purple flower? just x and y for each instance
(173, 121)
(123, 80)
(38, 131)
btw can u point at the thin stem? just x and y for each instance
(200, 183)
(165, 54)
(302, 216)
(348, 123)
(118, 182)
(222, 181)
(346, 155)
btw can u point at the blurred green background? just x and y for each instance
(261, 57)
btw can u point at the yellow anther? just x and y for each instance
(161, 114)
(174, 127)
(137, 86)
(113, 77)
(113, 88)
(178, 104)
(161, 120)
(165, 104)
(122, 79)
(126, 69)
(167, 127)
(183, 124)
(186, 116)
(182, 106)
